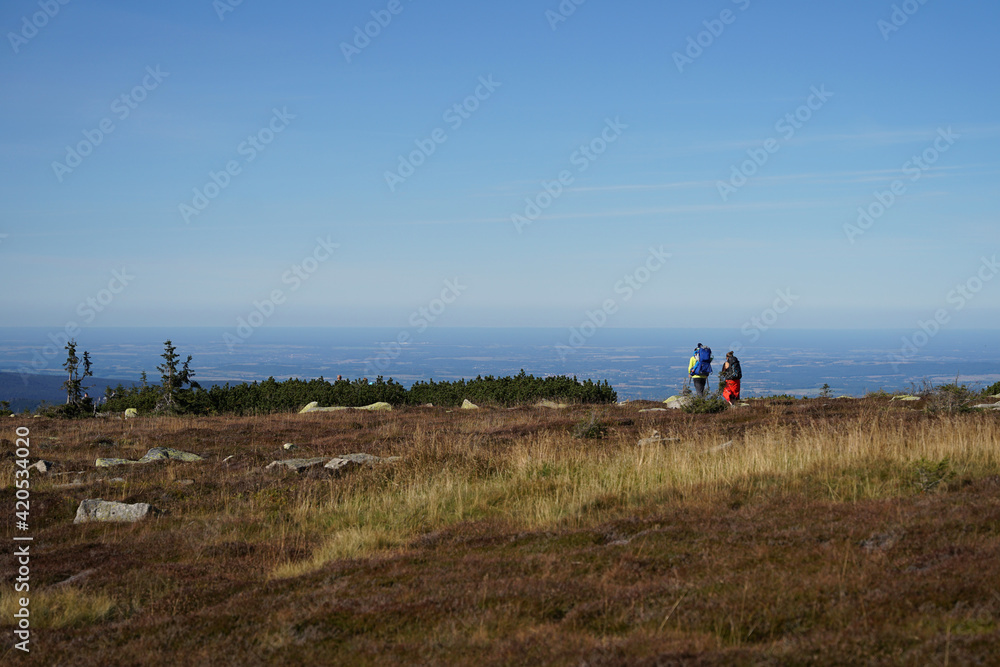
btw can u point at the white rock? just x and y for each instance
(106, 510)
(469, 405)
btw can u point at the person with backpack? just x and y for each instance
(699, 368)
(731, 373)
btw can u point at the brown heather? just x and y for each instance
(828, 532)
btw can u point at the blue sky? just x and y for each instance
(745, 158)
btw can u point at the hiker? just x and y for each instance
(731, 373)
(699, 368)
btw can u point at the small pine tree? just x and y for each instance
(172, 378)
(74, 380)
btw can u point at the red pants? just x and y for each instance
(732, 391)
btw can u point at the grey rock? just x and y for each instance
(988, 406)
(298, 465)
(340, 465)
(110, 463)
(43, 466)
(678, 402)
(106, 510)
(166, 453)
(469, 405)
(654, 410)
(362, 458)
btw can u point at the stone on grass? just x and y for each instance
(314, 407)
(106, 510)
(678, 402)
(289, 446)
(469, 405)
(43, 466)
(988, 406)
(653, 410)
(110, 463)
(552, 404)
(131, 412)
(905, 397)
(166, 453)
(298, 465)
(375, 407)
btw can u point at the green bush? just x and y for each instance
(706, 405)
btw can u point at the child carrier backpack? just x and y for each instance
(703, 366)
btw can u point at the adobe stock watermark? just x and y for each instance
(786, 127)
(562, 13)
(296, 275)
(122, 107)
(697, 44)
(223, 7)
(913, 169)
(581, 158)
(419, 321)
(958, 298)
(248, 149)
(30, 25)
(454, 116)
(87, 310)
(899, 16)
(757, 325)
(381, 18)
(630, 284)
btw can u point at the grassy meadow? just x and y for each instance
(812, 531)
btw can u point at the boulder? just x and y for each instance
(905, 397)
(678, 402)
(552, 404)
(289, 446)
(375, 407)
(131, 412)
(314, 407)
(106, 510)
(298, 465)
(983, 406)
(653, 410)
(165, 453)
(469, 405)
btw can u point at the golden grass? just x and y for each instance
(551, 480)
(59, 608)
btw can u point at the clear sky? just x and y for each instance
(648, 163)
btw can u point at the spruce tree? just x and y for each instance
(74, 380)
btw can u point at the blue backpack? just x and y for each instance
(703, 366)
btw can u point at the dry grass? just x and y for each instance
(838, 531)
